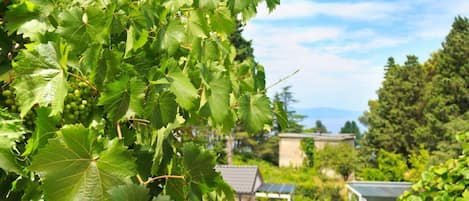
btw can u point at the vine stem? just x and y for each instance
(283, 79)
(140, 180)
(140, 120)
(85, 81)
(162, 177)
(119, 131)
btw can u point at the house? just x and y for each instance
(248, 184)
(376, 191)
(291, 154)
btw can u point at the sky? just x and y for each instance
(340, 47)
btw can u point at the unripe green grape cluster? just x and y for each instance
(9, 101)
(78, 102)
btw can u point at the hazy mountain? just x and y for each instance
(332, 118)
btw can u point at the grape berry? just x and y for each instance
(8, 100)
(78, 102)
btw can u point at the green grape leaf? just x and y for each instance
(18, 14)
(219, 98)
(182, 87)
(197, 24)
(70, 168)
(174, 5)
(199, 180)
(208, 4)
(11, 129)
(40, 79)
(129, 192)
(255, 112)
(123, 98)
(271, 4)
(161, 108)
(238, 6)
(136, 38)
(162, 198)
(84, 27)
(172, 36)
(222, 21)
(46, 126)
(7, 158)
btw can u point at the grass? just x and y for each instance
(310, 184)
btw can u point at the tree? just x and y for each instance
(390, 167)
(445, 181)
(449, 97)
(350, 127)
(341, 158)
(285, 98)
(394, 123)
(108, 97)
(320, 127)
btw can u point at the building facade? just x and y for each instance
(291, 154)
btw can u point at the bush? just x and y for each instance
(447, 181)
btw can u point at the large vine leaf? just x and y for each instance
(18, 14)
(129, 192)
(161, 108)
(72, 168)
(208, 4)
(85, 26)
(11, 129)
(200, 178)
(40, 79)
(46, 126)
(221, 21)
(255, 112)
(219, 99)
(123, 98)
(184, 90)
(197, 24)
(172, 36)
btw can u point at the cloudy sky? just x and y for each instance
(341, 47)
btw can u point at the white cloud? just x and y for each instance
(357, 11)
(322, 75)
(327, 79)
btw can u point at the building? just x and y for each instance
(248, 184)
(376, 191)
(291, 154)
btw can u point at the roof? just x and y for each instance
(277, 188)
(320, 136)
(379, 189)
(243, 179)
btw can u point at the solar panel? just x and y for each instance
(277, 188)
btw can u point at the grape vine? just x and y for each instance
(100, 98)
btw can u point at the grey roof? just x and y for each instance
(277, 188)
(379, 189)
(320, 136)
(241, 178)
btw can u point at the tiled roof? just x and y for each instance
(243, 179)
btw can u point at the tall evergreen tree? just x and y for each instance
(286, 98)
(394, 123)
(351, 127)
(449, 95)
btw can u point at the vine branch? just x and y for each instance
(85, 81)
(162, 177)
(144, 121)
(283, 79)
(119, 131)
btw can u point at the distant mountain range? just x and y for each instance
(332, 118)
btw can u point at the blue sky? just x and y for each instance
(341, 47)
